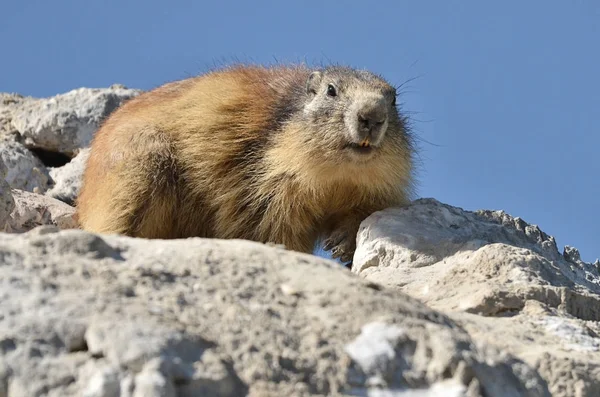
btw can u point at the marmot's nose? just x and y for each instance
(371, 118)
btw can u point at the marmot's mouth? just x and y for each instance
(362, 148)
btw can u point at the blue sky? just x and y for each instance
(506, 96)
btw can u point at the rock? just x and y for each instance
(103, 383)
(25, 171)
(563, 350)
(8, 102)
(32, 210)
(67, 179)
(152, 382)
(67, 122)
(500, 278)
(83, 313)
(7, 203)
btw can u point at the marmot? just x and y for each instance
(281, 154)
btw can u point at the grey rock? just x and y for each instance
(499, 277)
(32, 210)
(67, 179)
(8, 102)
(104, 382)
(24, 170)
(374, 352)
(152, 382)
(83, 313)
(67, 122)
(7, 203)
(427, 242)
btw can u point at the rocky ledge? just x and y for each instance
(439, 301)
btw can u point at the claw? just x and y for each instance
(329, 244)
(336, 252)
(333, 241)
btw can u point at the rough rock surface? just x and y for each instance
(500, 278)
(67, 179)
(7, 203)
(24, 170)
(108, 316)
(8, 102)
(32, 210)
(64, 123)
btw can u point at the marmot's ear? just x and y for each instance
(312, 83)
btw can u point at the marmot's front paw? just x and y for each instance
(342, 244)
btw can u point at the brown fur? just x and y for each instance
(207, 157)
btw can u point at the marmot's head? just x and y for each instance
(353, 111)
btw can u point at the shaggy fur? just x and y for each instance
(249, 152)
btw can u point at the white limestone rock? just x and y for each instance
(68, 178)
(499, 277)
(67, 122)
(7, 203)
(83, 313)
(24, 170)
(32, 210)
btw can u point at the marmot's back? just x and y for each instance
(279, 154)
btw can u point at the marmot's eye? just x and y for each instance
(394, 101)
(331, 90)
